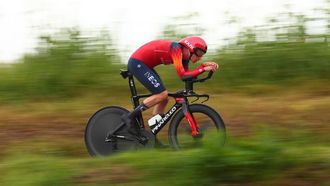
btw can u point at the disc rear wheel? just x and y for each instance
(108, 121)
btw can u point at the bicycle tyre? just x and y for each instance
(98, 127)
(180, 127)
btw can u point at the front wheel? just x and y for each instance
(210, 126)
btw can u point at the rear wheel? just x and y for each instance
(106, 121)
(210, 126)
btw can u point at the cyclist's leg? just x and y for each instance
(160, 107)
(156, 99)
(150, 80)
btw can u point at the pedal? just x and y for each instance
(143, 140)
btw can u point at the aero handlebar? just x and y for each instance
(189, 81)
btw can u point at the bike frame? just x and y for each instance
(181, 101)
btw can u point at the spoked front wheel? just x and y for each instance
(210, 126)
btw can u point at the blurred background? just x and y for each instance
(60, 61)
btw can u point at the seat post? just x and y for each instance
(135, 99)
(126, 74)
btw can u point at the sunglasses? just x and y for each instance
(199, 52)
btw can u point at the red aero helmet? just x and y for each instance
(194, 43)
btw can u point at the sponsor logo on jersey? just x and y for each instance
(152, 79)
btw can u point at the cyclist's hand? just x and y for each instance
(210, 66)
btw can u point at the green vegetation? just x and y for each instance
(276, 62)
(265, 159)
(64, 65)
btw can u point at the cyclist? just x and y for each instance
(142, 62)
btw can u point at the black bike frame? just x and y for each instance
(181, 100)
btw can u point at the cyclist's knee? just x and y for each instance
(163, 96)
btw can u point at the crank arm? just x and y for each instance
(112, 138)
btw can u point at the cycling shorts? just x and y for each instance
(148, 77)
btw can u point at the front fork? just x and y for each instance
(189, 117)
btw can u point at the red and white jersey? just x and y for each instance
(165, 52)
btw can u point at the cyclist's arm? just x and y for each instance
(176, 54)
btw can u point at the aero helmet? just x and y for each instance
(194, 43)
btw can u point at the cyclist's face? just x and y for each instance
(195, 58)
(198, 54)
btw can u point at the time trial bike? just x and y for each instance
(106, 132)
